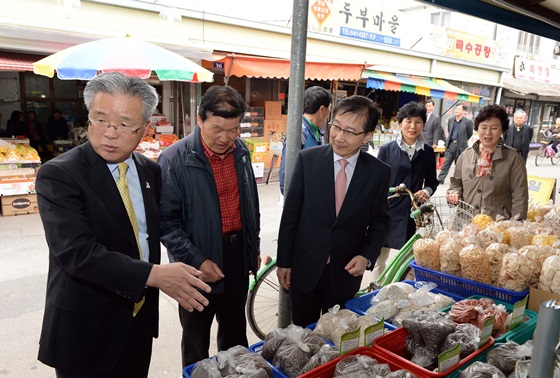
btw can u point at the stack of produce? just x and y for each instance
(477, 311)
(399, 300)
(500, 361)
(17, 152)
(508, 254)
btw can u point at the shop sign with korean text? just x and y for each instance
(532, 70)
(367, 21)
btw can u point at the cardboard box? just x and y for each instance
(258, 169)
(254, 111)
(537, 296)
(273, 110)
(259, 157)
(19, 205)
(274, 126)
(17, 181)
(166, 129)
(252, 122)
(254, 145)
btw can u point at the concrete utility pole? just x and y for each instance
(295, 110)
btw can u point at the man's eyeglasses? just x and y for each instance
(345, 132)
(121, 128)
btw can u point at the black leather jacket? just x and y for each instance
(191, 227)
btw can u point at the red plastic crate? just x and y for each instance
(327, 370)
(391, 346)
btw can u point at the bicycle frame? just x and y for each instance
(266, 264)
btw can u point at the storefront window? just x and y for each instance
(37, 86)
(65, 88)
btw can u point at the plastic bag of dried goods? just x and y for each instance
(444, 235)
(475, 264)
(354, 364)
(481, 369)
(505, 356)
(383, 310)
(394, 292)
(364, 322)
(207, 368)
(296, 351)
(552, 220)
(441, 301)
(488, 236)
(272, 342)
(496, 252)
(425, 357)
(516, 272)
(537, 254)
(328, 320)
(324, 355)
(449, 257)
(342, 326)
(466, 311)
(426, 253)
(519, 237)
(435, 328)
(469, 240)
(247, 365)
(544, 238)
(401, 373)
(550, 275)
(467, 336)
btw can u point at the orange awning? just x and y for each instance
(261, 67)
(12, 61)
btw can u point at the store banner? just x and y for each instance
(363, 20)
(460, 45)
(532, 70)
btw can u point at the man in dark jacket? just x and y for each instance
(210, 218)
(519, 134)
(459, 131)
(432, 131)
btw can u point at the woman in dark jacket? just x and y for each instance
(413, 163)
(57, 127)
(16, 125)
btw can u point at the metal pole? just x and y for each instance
(546, 340)
(295, 110)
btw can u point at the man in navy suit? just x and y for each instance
(432, 131)
(459, 131)
(101, 220)
(322, 252)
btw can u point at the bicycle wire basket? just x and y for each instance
(454, 217)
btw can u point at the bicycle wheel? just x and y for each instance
(262, 304)
(540, 156)
(554, 159)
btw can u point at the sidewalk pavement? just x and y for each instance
(23, 277)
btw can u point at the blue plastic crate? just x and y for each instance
(466, 288)
(360, 304)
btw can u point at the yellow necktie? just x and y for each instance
(122, 185)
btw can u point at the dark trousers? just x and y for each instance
(451, 155)
(228, 308)
(135, 361)
(308, 307)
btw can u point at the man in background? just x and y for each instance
(519, 134)
(316, 109)
(459, 131)
(432, 131)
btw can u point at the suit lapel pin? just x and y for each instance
(147, 185)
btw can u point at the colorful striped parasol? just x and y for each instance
(128, 55)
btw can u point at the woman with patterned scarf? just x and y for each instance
(491, 176)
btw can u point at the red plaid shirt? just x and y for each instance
(227, 185)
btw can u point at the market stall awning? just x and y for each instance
(435, 88)
(12, 61)
(526, 87)
(262, 67)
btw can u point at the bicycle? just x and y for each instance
(546, 151)
(262, 299)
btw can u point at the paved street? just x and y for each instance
(23, 275)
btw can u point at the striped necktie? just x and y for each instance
(122, 185)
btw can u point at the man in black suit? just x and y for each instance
(459, 131)
(99, 204)
(519, 134)
(432, 131)
(328, 237)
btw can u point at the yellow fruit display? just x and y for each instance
(482, 220)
